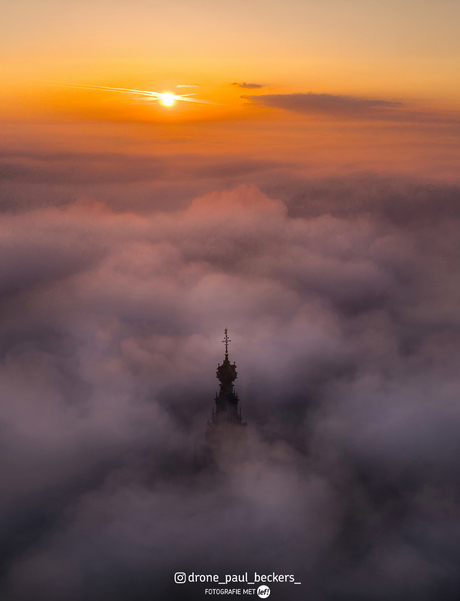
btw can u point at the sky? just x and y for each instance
(286, 170)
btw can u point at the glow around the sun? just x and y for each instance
(167, 99)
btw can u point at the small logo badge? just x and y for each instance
(180, 577)
(263, 591)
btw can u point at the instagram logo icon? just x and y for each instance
(180, 577)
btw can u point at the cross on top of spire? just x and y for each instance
(226, 340)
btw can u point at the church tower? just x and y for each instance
(226, 425)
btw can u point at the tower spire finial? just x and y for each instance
(226, 340)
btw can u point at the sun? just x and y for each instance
(167, 99)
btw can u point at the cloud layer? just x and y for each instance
(343, 311)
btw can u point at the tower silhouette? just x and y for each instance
(226, 426)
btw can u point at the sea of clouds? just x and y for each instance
(342, 303)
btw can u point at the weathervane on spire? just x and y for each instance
(226, 340)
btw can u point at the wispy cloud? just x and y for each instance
(146, 94)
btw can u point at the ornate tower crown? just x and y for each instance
(226, 426)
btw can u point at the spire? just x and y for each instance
(226, 373)
(226, 340)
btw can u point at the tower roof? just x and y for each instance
(226, 427)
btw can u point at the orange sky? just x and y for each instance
(344, 52)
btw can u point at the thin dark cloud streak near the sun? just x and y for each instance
(350, 107)
(249, 86)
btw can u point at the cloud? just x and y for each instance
(353, 108)
(342, 305)
(328, 104)
(248, 86)
(121, 168)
